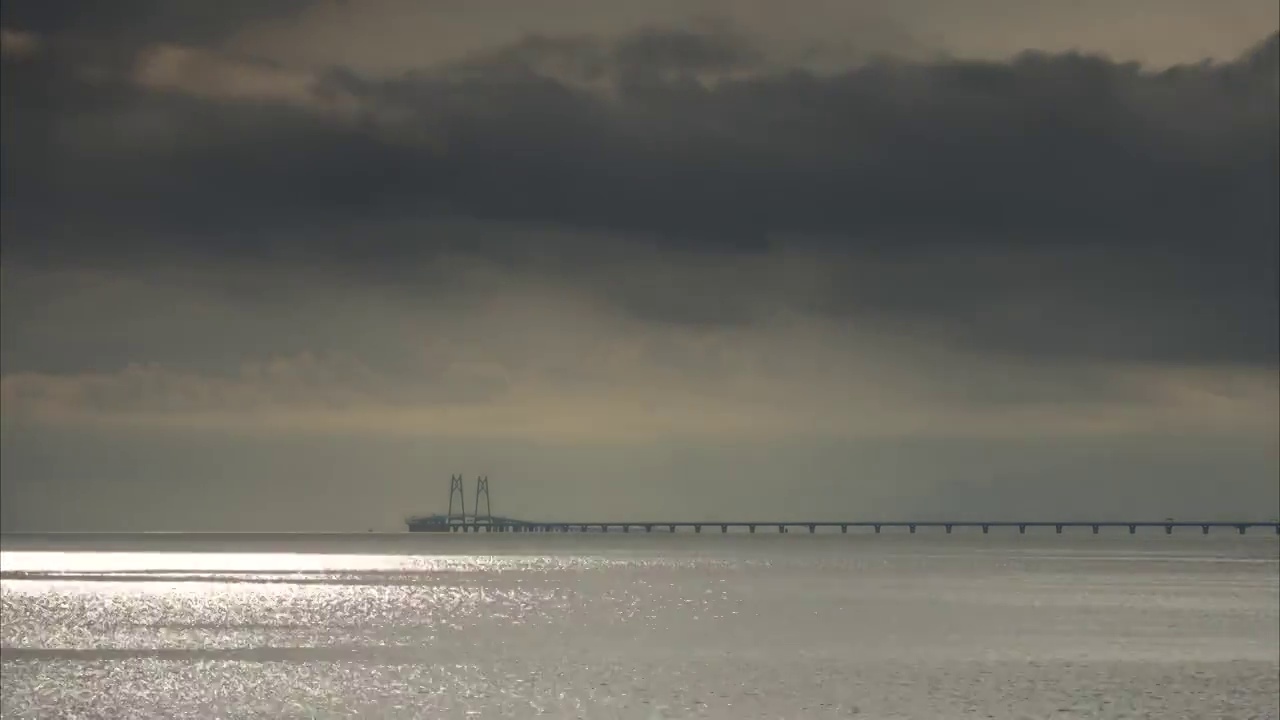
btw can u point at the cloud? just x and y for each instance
(303, 396)
(206, 74)
(528, 362)
(136, 22)
(1069, 199)
(1053, 144)
(389, 37)
(18, 44)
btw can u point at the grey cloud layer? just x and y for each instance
(1046, 205)
(1039, 147)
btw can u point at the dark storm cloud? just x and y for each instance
(1049, 144)
(1059, 204)
(1041, 148)
(135, 22)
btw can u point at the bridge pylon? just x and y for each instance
(455, 488)
(482, 491)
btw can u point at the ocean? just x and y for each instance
(641, 626)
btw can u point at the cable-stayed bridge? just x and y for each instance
(476, 521)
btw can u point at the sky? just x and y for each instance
(290, 265)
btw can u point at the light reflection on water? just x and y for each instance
(275, 562)
(705, 627)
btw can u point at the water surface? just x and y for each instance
(639, 626)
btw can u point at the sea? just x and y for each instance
(1038, 626)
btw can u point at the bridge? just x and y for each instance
(487, 522)
(877, 526)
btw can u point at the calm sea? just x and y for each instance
(639, 626)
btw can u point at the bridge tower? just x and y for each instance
(455, 488)
(482, 491)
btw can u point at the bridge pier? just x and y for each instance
(673, 528)
(913, 529)
(1243, 528)
(986, 529)
(1168, 529)
(782, 528)
(844, 529)
(812, 528)
(752, 528)
(1059, 529)
(626, 528)
(648, 528)
(877, 529)
(1022, 529)
(948, 528)
(1095, 529)
(724, 529)
(1133, 529)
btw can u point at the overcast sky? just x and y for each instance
(290, 265)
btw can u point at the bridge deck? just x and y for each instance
(509, 525)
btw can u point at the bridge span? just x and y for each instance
(460, 520)
(509, 525)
